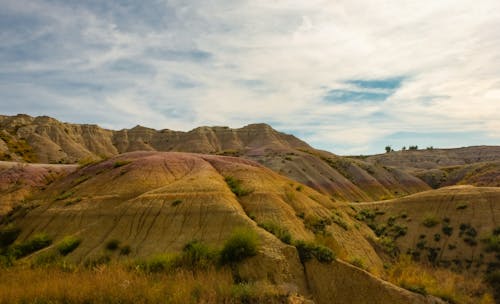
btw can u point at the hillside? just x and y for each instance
(156, 202)
(454, 227)
(46, 140)
(436, 158)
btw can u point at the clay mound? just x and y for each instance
(19, 181)
(44, 139)
(157, 202)
(447, 226)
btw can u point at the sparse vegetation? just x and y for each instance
(317, 225)
(64, 195)
(445, 284)
(280, 232)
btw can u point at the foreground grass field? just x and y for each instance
(117, 284)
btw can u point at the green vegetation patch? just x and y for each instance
(280, 232)
(121, 163)
(308, 250)
(242, 244)
(68, 245)
(430, 221)
(235, 186)
(33, 244)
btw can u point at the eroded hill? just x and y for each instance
(46, 140)
(153, 202)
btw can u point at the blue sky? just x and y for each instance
(346, 76)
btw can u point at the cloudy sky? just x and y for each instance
(347, 76)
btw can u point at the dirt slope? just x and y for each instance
(19, 181)
(157, 202)
(450, 226)
(44, 139)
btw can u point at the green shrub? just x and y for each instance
(176, 202)
(492, 243)
(242, 244)
(8, 235)
(235, 186)
(68, 245)
(309, 250)
(196, 255)
(358, 262)
(35, 243)
(430, 221)
(280, 232)
(461, 206)
(112, 245)
(448, 230)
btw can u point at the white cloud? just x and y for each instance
(236, 62)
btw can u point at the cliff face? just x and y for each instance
(46, 140)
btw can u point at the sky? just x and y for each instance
(346, 76)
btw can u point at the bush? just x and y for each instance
(235, 186)
(430, 221)
(281, 233)
(358, 262)
(112, 245)
(176, 202)
(448, 230)
(242, 244)
(35, 243)
(68, 245)
(308, 250)
(8, 235)
(197, 255)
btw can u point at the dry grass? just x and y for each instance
(116, 284)
(450, 286)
